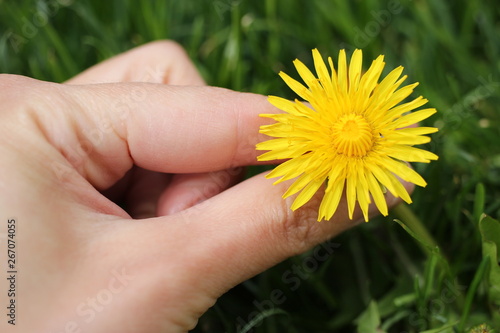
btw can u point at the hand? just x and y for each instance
(171, 150)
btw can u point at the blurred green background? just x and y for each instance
(380, 278)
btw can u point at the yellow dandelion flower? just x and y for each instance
(353, 136)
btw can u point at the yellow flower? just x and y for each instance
(353, 135)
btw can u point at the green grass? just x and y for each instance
(380, 278)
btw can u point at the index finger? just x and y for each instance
(169, 129)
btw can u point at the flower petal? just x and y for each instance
(355, 67)
(286, 105)
(322, 72)
(296, 86)
(410, 154)
(400, 109)
(331, 200)
(351, 184)
(412, 118)
(404, 171)
(342, 75)
(377, 194)
(305, 74)
(307, 193)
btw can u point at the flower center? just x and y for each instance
(352, 136)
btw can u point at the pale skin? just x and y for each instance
(142, 128)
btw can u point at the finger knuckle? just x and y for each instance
(296, 228)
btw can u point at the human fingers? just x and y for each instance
(164, 62)
(245, 230)
(104, 129)
(157, 62)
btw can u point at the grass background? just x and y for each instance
(379, 278)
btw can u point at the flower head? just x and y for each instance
(353, 135)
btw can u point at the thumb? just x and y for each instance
(251, 228)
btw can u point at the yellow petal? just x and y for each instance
(381, 176)
(307, 193)
(298, 185)
(331, 200)
(367, 84)
(399, 189)
(275, 144)
(355, 67)
(277, 130)
(377, 194)
(296, 151)
(285, 105)
(342, 74)
(338, 171)
(406, 107)
(351, 184)
(418, 130)
(410, 154)
(288, 169)
(305, 74)
(363, 194)
(370, 78)
(322, 72)
(387, 84)
(334, 76)
(404, 171)
(412, 118)
(396, 98)
(296, 86)
(405, 139)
